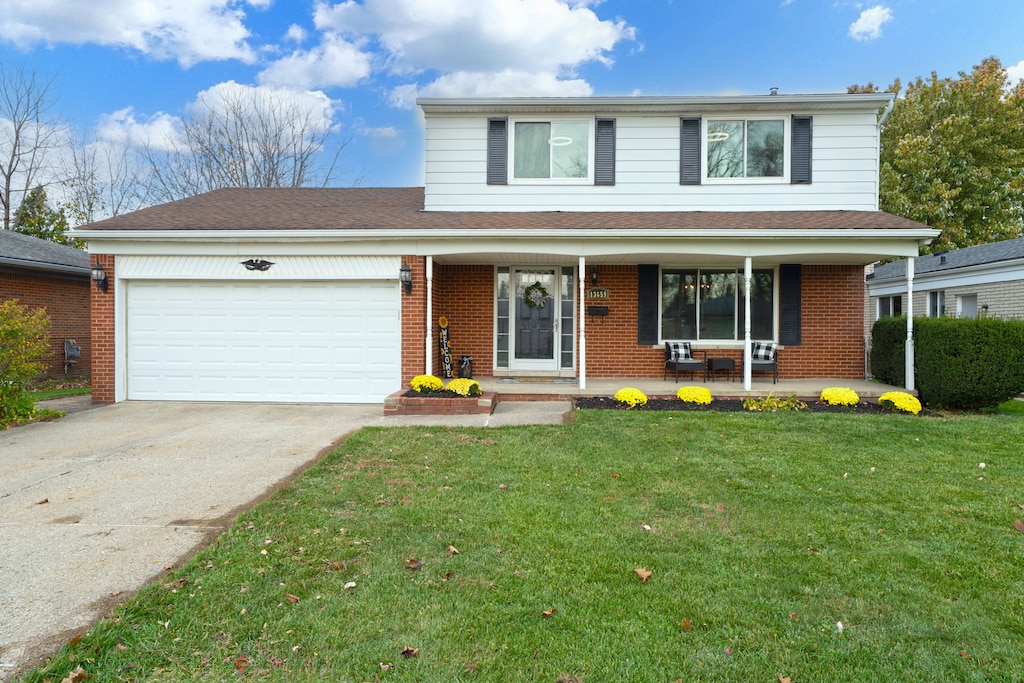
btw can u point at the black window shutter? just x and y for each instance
(647, 303)
(689, 151)
(800, 173)
(497, 151)
(789, 304)
(604, 152)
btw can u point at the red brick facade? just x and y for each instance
(831, 330)
(66, 302)
(414, 327)
(102, 307)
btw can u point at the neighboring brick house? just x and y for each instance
(557, 237)
(985, 280)
(41, 274)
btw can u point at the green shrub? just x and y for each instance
(888, 350)
(774, 404)
(968, 363)
(23, 341)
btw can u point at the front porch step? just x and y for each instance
(399, 403)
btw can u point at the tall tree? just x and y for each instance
(28, 135)
(246, 137)
(35, 217)
(952, 156)
(103, 179)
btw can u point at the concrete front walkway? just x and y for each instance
(96, 504)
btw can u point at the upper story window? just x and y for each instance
(552, 150)
(758, 149)
(746, 149)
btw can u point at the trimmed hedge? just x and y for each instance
(964, 363)
(888, 358)
(968, 363)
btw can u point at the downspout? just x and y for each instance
(908, 348)
(430, 316)
(583, 323)
(885, 114)
(748, 274)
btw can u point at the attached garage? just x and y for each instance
(261, 336)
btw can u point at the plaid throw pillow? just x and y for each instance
(762, 351)
(681, 351)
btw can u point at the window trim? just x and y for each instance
(787, 152)
(722, 343)
(936, 306)
(889, 313)
(591, 152)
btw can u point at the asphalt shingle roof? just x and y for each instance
(951, 260)
(24, 251)
(402, 208)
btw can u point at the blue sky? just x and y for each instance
(126, 69)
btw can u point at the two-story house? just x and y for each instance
(554, 237)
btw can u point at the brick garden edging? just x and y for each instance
(400, 404)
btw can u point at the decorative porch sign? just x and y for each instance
(446, 354)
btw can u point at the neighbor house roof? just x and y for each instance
(23, 252)
(402, 209)
(981, 255)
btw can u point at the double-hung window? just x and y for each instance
(708, 304)
(890, 306)
(554, 150)
(936, 304)
(746, 148)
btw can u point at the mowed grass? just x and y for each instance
(762, 533)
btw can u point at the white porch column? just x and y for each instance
(748, 273)
(908, 379)
(430, 316)
(583, 323)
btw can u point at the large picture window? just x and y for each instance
(746, 149)
(708, 304)
(557, 150)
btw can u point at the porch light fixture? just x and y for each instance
(593, 276)
(99, 276)
(405, 277)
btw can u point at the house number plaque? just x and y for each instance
(598, 293)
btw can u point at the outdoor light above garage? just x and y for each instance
(405, 277)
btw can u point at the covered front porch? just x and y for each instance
(549, 389)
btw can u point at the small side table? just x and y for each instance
(716, 364)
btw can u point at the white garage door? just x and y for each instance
(294, 341)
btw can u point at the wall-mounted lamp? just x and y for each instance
(984, 307)
(593, 276)
(405, 277)
(99, 276)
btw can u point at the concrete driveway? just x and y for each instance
(95, 505)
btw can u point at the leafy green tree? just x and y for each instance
(35, 217)
(24, 339)
(952, 156)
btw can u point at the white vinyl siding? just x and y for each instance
(844, 159)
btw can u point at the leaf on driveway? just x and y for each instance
(44, 501)
(643, 574)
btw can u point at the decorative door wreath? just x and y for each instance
(535, 296)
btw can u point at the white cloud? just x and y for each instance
(378, 132)
(188, 31)
(869, 24)
(335, 62)
(161, 130)
(507, 83)
(295, 34)
(1015, 73)
(483, 35)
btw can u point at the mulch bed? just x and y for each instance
(720, 405)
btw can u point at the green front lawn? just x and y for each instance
(510, 555)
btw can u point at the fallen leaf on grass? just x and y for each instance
(720, 506)
(965, 654)
(548, 613)
(1018, 525)
(643, 574)
(783, 679)
(568, 678)
(77, 675)
(350, 585)
(1017, 504)
(291, 598)
(408, 652)
(502, 486)
(386, 666)
(452, 551)
(413, 564)
(687, 624)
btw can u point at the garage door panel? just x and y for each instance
(265, 341)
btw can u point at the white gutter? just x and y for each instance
(885, 114)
